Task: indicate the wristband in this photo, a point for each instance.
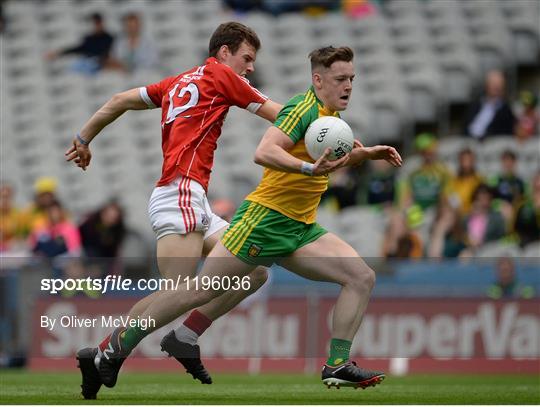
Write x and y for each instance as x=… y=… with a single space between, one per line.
x=81 y=140
x=307 y=168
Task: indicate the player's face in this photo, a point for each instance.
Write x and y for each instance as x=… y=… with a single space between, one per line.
x=242 y=61
x=334 y=85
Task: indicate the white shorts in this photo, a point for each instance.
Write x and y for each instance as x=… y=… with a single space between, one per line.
x=182 y=207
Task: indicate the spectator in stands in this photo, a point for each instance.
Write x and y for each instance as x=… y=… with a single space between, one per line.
x=527 y=220
x=507 y=285
x=466 y=181
x=491 y=114
x=342 y=188
x=133 y=50
x=483 y=224
x=57 y=236
x=358 y=8
x=381 y=184
x=94 y=48
x=314 y=8
x=103 y=232
x=507 y=186
x=11 y=232
x=528 y=121
x=44 y=196
x=243 y=6
x=447 y=237
x=400 y=240
x=428 y=184
x=277 y=7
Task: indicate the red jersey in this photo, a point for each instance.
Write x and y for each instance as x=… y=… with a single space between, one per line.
x=194 y=105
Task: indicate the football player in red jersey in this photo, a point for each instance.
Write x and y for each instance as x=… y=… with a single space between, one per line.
x=194 y=105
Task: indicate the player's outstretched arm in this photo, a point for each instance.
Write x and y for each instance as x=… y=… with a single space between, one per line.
x=79 y=152
x=269 y=110
x=272 y=152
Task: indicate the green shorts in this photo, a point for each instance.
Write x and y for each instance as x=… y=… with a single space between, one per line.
x=259 y=235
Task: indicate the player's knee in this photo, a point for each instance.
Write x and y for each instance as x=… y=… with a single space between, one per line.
x=369 y=277
x=362 y=278
x=257 y=278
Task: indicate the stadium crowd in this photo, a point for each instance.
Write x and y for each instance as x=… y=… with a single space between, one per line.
x=468 y=209
x=134 y=50
x=45 y=228
x=130 y=51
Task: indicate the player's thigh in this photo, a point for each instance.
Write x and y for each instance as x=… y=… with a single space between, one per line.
x=181 y=219
x=221 y=262
x=328 y=258
x=258 y=276
x=212 y=239
x=179 y=254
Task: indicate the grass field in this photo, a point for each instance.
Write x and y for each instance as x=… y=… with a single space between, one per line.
x=20 y=387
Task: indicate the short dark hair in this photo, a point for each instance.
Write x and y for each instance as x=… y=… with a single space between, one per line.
x=508 y=154
x=326 y=56
x=232 y=34
x=481 y=189
x=466 y=151
x=96 y=18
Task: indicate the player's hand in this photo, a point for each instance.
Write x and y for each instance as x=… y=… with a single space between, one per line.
x=386 y=153
x=357 y=144
x=324 y=166
x=80 y=154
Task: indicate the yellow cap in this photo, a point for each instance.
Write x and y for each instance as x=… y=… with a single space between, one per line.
x=45 y=184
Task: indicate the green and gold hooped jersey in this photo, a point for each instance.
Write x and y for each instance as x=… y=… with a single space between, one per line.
x=295 y=195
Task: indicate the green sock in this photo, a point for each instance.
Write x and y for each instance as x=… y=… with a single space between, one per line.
x=132 y=336
x=339 y=351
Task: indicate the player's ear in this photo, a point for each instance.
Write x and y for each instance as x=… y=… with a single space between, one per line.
x=316 y=79
x=223 y=53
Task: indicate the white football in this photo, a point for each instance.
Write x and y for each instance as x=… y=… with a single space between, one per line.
x=328 y=131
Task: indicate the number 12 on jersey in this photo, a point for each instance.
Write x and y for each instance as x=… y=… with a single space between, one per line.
x=173 y=111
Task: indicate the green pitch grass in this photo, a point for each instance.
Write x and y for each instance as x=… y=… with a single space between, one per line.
x=20 y=387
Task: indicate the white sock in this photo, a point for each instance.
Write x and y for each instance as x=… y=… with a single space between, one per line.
x=184 y=334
